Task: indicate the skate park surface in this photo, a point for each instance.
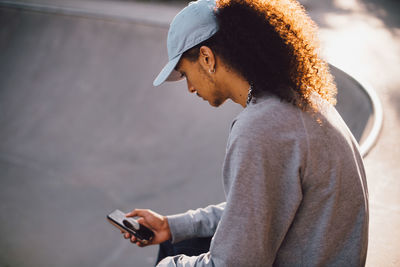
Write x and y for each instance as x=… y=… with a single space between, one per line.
x=83 y=131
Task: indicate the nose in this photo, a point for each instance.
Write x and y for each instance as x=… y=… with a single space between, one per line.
x=190 y=87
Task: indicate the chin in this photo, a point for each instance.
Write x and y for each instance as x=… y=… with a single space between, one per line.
x=216 y=103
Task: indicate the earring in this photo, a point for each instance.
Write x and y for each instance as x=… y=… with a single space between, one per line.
x=212 y=71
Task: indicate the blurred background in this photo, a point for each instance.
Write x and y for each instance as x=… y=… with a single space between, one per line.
x=83 y=132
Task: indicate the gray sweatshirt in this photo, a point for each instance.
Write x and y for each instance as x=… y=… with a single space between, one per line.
x=295 y=190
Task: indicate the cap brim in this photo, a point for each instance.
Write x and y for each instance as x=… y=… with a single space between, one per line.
x=168 y=73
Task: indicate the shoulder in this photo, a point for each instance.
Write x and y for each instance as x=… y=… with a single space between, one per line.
x=268 y=117
x=268 y=129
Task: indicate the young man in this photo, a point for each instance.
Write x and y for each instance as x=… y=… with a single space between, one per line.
x=294 y=180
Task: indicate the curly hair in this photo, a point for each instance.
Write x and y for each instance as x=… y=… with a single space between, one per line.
x=273 y=45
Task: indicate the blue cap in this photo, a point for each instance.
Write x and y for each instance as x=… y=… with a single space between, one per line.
x=193 y=25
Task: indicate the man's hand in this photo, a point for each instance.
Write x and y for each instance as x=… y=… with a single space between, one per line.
x=155 y=222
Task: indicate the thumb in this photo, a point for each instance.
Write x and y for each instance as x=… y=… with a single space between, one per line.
x=137 y=212
x=143 y=222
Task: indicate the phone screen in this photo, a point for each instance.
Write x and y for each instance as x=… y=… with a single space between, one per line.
x=130 y=225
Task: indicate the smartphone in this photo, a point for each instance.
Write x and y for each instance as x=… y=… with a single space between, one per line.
x=130 y=225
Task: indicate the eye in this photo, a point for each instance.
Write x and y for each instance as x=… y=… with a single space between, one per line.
x=182 y=74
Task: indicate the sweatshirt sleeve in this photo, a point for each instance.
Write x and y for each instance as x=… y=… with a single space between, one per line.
x=195 y=223
x=262 y=180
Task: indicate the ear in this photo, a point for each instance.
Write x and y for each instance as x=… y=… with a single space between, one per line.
x=207 y=58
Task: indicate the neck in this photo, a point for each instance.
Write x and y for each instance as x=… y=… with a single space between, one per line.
x=237 y=86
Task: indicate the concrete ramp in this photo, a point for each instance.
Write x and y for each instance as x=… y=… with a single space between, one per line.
x=83 y=132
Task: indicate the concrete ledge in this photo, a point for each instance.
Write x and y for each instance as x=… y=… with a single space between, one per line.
x=360 y=107
x=377 y=119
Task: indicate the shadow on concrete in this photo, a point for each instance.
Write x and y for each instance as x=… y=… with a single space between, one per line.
x=386 y=10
